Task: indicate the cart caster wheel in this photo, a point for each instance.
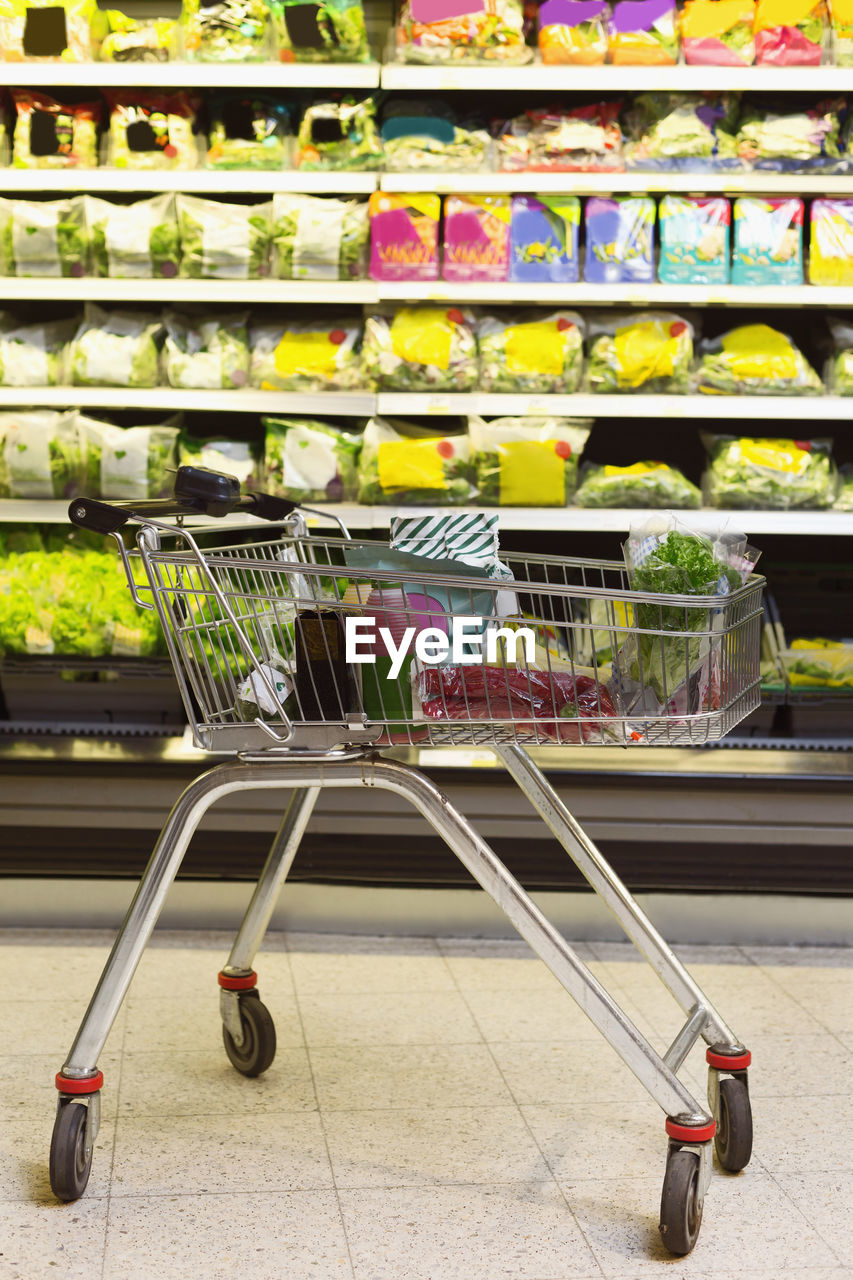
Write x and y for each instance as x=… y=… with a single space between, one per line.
x=733 y=1139
x=681 y=1201
x=70 y=1159
x=255 y=1054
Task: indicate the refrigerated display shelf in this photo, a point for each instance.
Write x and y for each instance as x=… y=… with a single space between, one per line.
x=232 y=292
x=763 y=182
x=536 y=76
x=194 y=75
x=213 y=182
x=328 y=404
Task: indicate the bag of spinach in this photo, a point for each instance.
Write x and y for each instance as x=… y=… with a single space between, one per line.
x=309 y=461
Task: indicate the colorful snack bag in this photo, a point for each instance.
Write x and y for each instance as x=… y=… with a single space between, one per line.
x=543 y=238
x=643 y=33
x=768 y=241
x=476 y=237
x=577 y=140
x=532 y=353
x=404 y=236
x=450 y=30
x=53 y=135
x=842 y=32
x=718 y=33
x=790 y=33
x=573 y=32
x=694 y=240
x=151 y=130
x=831 y=258
x=620 y=234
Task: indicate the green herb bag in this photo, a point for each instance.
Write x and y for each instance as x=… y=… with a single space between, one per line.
x=339 y=135
x=128 y=462
x=422 y=349
x=35 y=355
x=405 y=464
x=237 y=458
x=329 y=31
x=643 y=484
x=531 y=353
x=780 y=475
x=307 y=355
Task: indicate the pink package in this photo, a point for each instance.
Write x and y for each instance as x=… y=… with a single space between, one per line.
x=404 y=236
x=476 y=237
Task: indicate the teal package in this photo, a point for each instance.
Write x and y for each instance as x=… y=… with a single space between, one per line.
x=694 y=240
x=768 y=241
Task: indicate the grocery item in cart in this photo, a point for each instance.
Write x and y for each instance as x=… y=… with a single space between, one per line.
x=526 y=462
x=543 y=238
x=840 y=380
x=570 y=140
x=309 y=461
x=118 y=37
x=641 y=484
x=210 y=353
x=222 y=241
x=128 y=462
x=138 y=240
x=476 y=238
x=790 y=33
x=35 y=355
x=44 y=237
x=796 y=141
x=49 y=134
x=46 y=30
x=694 y=239
x=318 y=238
x=405 y=464
x=765 y=474
x=643 y=33
x=531 y=353
x=339 y=135
x=226 y=30
x=842 y=32
x=248 y=132
x=718 y=33
x=325 y=31
x=650 y=351
x=236 y=458
x=41 y=455
x=755 y=360
x=115 y=349
x=573 y=32
x=404 y=236
x=831 y=256
x=151 y=130
x=423 y=135
x=768 y=241
x=694 y=132
x=421 y=349
x=462 y=30
x=620 y=240
x=307 y=355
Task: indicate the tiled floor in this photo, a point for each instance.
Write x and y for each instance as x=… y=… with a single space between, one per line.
x=437 y=1109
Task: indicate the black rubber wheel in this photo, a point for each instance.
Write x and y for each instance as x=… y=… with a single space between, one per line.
x=733 y=1139
x=257 y=1051
x=70 y=1165
x=681 y=1202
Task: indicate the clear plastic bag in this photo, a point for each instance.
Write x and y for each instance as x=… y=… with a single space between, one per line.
x=643 y=33
x=307 y=356
x=526 y=462
x=532 y=353
x=840 y=380
x=462 y=30
x=35 y=355
x=248 y=132
x=641 y=484
x=49 y=134
x=405 y=464
x=41 y=455
x=718 y=33
x=128 y=462
x=310 y=461
x=45 y=237
x=318 y=239
x=774 y=475
x=787 y=39
x=330 y=31
x=573 y=32
x=755 y=360
x=339 y=135
x=222 y=241
x=134 y=241
x=151 y=130
x=569 y=140
x=227 y=30
x=206 y=353
x=689 y=132
x=421 y=349
x=648 y=352
x=46 y=30
x=115 y=349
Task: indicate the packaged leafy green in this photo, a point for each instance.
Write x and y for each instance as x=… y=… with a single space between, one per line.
x=718 y=34
x=226 y=30
x=233 y=457
x=650 y=351
x=40 y=455
x=44 y=237
x=429 y=135
x=115 y=349
x=817 y=663
x=841 y=368
x=138 y=240
x=484 y=30
x=310 y=461
x=328 y=31
x=844 y=495
x=128 y=462
x=248 y=132
x=206 y=353
x=339 y=135
x=406 y=464
x=842 y=33
x=691 y=132
x=526 y=462
x=573 y=32
x=224 y=241
x=318 y=239
x=421 y=349
x=794 y=141
x=790 y=35
x=755 y=360
x=46 y=30
x=643 y=484
x=307 y=355
x=35 y=355
x=761 y=474
x=643 y=33
x=149 y=130
x=120 y=38
x=49 y=134
x=541 y=354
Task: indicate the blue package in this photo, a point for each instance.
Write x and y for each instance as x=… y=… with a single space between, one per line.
x=768 y=241
x=694 y=240
x=620 y=240
x=544 y=238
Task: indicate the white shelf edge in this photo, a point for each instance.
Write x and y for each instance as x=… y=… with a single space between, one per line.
x=214 y=75
x=243 y=292
x=750 y=181
x=585 y=405
x=615 y=80
x=327 y=404
x=224 y=182
x=584 y=294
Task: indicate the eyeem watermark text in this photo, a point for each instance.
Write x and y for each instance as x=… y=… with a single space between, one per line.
x=432 y=645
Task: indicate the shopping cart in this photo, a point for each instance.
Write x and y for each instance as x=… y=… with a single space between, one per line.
x=256 y=628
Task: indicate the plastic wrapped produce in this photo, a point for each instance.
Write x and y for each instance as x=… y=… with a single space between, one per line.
x=420 y=136
x=476 y=238
x=462 y=30
x=44 y=237
x=405 y=464
x=226 y=30
x=842 y=32
x=620 y=240
x=40 y=455
x=151 y=130
x=404 y=236
x=128 y=462
x=755 y=360
x=318 y=239
x=233 y=457
x=692 y=132
x=831 y=257
x=526 y=462
x=790 y=33
x=206 y=353
x=642 y=484
x=643 y=33
x=844 y=494
x=224 y=241
x=841 y=367
x=46 y=31
x=649 y=352
x=819 y=664
x=138 y=240
x=309 y=461
x=48 y=134
x=768 y=241
x=791 y=141
x=115 y=349
x=694 y=239
x=533 y=353
x=35 y=355
x=573 y=32
x=248 y=132
x=121 y=38
x=718 y=33
x=339 y=135
x=778 y=475
x=569 y=140
x=421 y=349
x=543 y=238
x=307 y=356
x=328 y=31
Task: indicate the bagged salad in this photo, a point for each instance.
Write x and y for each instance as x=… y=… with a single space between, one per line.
x=44 y=237
x=339 y=135
x=128 y=462
x=233 y=457
x=526 y=462
x=48 y=134
x=35 y=355
x=790 y=33
x=476 y=238
x=474 y=30
x=791 y=141
x=46 y=30
x=409 y=465
x=248 y=132
x=777 y=475
x=844 y=495
x=840 y=378
x=642 y=484
x=328 y=31
x=226 y=30
x=768 y=241
x=682 y=131
x=222 y=241
x=650 y=351
x=718 y=33
x=831 y=257
x=120 y=38
x=543 y=238
x=307 y=355
x=41 y=455
x=531 y=353
x=570 y=140
x=620 y=240
x=427 y=135
x=151 y=130
x=309 y=461
x=694 y=239
x=819 y=664
x=573 y=32
x=755 y=360
x=206 y=353
x=421 y=349
x=115 y=349
x=842 y=32
x=318 y=238
x=643 y=33
x=404 y=236
x=138 y=240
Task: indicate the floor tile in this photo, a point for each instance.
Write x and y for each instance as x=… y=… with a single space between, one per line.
x=357 y=944
x=191 y=1084
x=598 y=1140
x=337 y=972
x=801 y=957
x=379 y=1076
x=186 y=1023
x=192 y=974
x=61 y=1240
x=502 y=949
x=804 y=1134
x=420 y=1017
x=28 y=1089
x=50 y=1026
x=537 y=1015
x=74 y=970
x=25 y=1161
x=501 y=973
x=790 y=1066
x=824 y=1199
x=827 y=994
x=567 y=1074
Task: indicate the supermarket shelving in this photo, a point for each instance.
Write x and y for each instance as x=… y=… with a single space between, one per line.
x=194 y=75
x=747 y=181
x=336 y=404
x=166 y=292
x=214 y=182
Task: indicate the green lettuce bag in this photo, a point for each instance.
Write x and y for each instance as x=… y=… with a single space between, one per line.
x=310 y=461
x=45 y=237
x=222 y=241
x=138 y=240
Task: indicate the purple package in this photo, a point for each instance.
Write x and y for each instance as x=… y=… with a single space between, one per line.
x=404 y=236
x=544 y=238
x=476 y=237
x=620 y=240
